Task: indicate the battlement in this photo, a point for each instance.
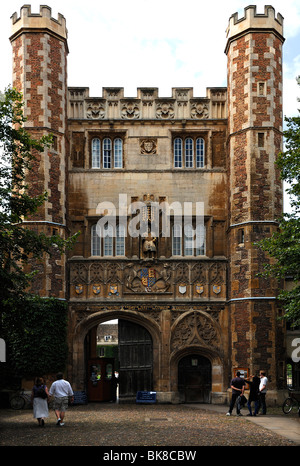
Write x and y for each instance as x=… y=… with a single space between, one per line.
x=43 y=20
x=253 y=20
x=148 y=104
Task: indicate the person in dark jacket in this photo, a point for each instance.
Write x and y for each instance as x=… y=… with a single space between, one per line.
x=253 y=395
x=238 y=386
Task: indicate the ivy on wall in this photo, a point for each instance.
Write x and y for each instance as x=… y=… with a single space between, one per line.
x=36 y=336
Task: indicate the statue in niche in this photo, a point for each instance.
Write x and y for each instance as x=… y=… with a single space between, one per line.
x=149 y=246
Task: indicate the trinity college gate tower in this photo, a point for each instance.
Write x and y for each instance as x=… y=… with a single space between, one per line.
x=169 y=194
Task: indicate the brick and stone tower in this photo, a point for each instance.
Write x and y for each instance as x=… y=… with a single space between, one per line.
x=254 y=51
x=39 y=44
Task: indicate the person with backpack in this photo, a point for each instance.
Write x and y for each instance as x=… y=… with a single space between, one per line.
x=39 y=399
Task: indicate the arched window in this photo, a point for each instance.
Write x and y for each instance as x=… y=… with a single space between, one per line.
x=189 y=152
x=96 y=153
x=120 y=240
x=106 y=153
x=200 y=240
x=95 y=242
x=176 y=240
x=188 y=240
x=118 y=153
x=178 y=153
x=108 y=240
x=199 y=153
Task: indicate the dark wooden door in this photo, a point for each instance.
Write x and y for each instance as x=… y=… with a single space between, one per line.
x=135 y=359
x=194 y=379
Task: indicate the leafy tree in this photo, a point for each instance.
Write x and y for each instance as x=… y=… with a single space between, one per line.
x=284 y=245
x=19 y=245
x=39 y=345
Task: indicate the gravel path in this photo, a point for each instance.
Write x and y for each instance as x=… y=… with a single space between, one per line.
x=134 y=425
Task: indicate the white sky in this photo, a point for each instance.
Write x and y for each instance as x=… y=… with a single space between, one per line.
x=159 y=43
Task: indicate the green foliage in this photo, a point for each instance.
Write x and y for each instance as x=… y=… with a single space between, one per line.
x=34 y=328
x=18 y=244
x=36 y=336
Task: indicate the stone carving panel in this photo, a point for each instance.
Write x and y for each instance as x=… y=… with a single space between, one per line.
x=148 y=278
x=193 y=280
x=165 y=110
x=195 y=329
x=199 y=110
x=148 y=146
x=130 y=111
x=95 y=110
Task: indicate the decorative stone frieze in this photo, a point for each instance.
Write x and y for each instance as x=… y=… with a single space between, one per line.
x=147 y=105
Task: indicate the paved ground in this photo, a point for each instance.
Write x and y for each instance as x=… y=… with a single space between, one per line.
x=106 y=424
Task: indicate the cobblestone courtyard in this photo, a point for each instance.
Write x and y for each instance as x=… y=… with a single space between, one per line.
x=135 y=425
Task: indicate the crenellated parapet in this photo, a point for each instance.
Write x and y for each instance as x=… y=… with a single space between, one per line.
x=148 y=104
x=254 y=21
x=39 y=21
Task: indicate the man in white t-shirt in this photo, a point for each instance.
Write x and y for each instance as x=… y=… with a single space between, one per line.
x=61 y=390
x=262 y=391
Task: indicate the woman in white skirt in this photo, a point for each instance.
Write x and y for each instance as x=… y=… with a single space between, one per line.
x=39 y=398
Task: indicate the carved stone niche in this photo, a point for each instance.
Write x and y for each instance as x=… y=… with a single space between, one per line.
x=148 y=146
x=77 y=149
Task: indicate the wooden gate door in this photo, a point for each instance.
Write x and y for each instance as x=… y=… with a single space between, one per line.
x=101 y=381
x=194 y=379
x=135 y=360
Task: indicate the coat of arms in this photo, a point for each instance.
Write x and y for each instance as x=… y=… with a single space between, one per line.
x=216 y=289
x=148 y=277
x=79 y=289
x=199 y=288
x=96 y=289
x=182 y=288
x=113 y=289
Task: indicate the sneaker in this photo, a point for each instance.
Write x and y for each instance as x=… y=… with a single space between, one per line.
x=228 y=414
x=58 y=422
x=62 y=424
x=239 y=414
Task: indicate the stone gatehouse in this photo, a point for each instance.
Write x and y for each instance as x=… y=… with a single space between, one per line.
x=169 y=194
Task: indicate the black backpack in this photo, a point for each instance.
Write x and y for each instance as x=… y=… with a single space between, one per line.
x=40 y=392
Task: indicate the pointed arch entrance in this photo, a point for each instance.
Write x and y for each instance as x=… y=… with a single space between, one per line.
x=139 y=362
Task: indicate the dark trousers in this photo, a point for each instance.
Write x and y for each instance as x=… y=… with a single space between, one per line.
x=262 y=403
x=256 y=406
x=233 y=400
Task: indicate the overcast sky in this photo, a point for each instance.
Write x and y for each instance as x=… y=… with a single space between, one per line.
x=159 y=43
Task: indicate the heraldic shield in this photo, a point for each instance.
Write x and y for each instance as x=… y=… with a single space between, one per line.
x=148 y=277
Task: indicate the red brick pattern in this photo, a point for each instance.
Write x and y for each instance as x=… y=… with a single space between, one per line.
x=39 y=61
x=255 y=106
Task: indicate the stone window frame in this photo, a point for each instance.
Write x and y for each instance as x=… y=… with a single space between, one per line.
x=180 y=248
x=110 y=245
x=108 y=153
x=187 y=156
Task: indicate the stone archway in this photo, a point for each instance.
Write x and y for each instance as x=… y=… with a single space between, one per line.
x=217 y=395
x=197 y=333
x=77 y=366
